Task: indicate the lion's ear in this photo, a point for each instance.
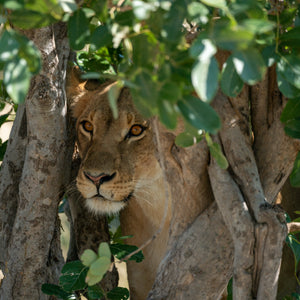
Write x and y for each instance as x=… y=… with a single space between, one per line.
x=75 y=88
x=75 y=85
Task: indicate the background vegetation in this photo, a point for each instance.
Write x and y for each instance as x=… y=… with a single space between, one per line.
x=167 y=53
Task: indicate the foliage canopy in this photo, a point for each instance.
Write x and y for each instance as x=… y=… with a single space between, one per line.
x=143 y=45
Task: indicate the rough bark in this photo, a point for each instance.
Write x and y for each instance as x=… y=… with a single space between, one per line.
x=34 y=175
x=254 y=227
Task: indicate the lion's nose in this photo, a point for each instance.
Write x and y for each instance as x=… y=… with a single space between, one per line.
x=99 y=179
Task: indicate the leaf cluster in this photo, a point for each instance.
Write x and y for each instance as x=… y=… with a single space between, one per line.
x=143 y=44
x=83 y=276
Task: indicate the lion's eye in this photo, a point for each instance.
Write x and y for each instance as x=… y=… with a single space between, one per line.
x=136 y=130
x=87 y=126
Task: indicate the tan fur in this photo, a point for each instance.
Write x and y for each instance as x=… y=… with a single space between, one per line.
x=138 y=184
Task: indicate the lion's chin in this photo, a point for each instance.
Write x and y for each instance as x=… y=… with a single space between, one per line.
x=101 y=206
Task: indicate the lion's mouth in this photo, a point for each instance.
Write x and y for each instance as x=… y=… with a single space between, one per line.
x=102 y=198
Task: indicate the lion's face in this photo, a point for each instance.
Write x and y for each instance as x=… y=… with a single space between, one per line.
x=117 y=155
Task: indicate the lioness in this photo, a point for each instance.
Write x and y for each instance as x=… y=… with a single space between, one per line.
x=122 y=171
x=120 y=168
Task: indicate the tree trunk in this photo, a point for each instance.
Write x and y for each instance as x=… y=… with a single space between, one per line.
x=244 y=194
x=33 y=175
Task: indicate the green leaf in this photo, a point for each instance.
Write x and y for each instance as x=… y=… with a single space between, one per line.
x=199 y=114
x=170 y=91
x=113 y=96
x=291 y=117
x=172 y=29
x=269 y=55
x=286 y=88
x=92 y=279
x=73 y=277
x=291 y=37
x=289 y=68
x=13 y=4
x=3 y=147
x=249 y=65
x=294 y=244
x=258 y=26
x=187 y=139
x=3 y=118
x=198 y=12
x=292 y=128
x=118 y=293
x=17 y=79
x=167 y=114
x=57 y=291
x=203 y=49
x=215 y=3
x=231 y=83
x=122 y=250
x=95 y=292
x=232 y=38
x=142 y=10
x=30 y=53
x=9 y=46
x=146 y=87
x=68 y=6
x=101 y=37
x=291 y=110
x=144 y=50
x=97 y=270
x=78 y=30
x=295 y=175
x=88 y=257
x=216 y=152
x=36 y=13
x=104 y=250
x=205 y=75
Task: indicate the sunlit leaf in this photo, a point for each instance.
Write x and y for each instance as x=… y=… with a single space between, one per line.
x=104 y=250
x=88 y=257
x=231 y=82
x=17 y=79
x=289 y=69
x=203 y=49
x=258 y=26
x=216 y=152
x=198 y=12
x=215 y=3
x=249 y=65
x=286 y=88
x=9 y=46
x=205 y=75
x=142 y=10
x=97 y=270
x=68 y=6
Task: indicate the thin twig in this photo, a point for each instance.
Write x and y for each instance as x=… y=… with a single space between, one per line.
x=293 y=227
